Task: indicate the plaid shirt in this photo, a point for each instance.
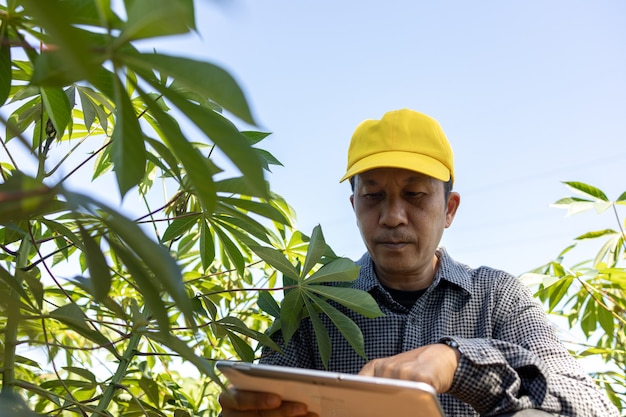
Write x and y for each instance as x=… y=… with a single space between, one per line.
x=511 y=358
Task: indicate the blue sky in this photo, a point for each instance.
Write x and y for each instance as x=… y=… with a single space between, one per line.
x=529 y=93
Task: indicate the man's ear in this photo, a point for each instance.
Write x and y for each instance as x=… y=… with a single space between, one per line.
x=352 y=200
x=454 y=200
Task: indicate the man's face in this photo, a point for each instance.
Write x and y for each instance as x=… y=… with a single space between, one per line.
x=401 y=215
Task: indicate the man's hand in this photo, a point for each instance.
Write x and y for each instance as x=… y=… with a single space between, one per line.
x=433 y=364
x=259 y=404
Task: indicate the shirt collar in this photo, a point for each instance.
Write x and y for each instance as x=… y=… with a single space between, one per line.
x=448 y=270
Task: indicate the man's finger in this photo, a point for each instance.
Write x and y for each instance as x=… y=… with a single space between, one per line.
x=249 y=400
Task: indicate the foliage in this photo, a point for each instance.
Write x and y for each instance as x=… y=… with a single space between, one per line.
x=105 y=314
x=591 y=295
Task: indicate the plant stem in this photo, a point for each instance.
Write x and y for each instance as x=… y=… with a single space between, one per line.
x=13 y=319
x=10 y=343
x=619 y=224
x=122 y=367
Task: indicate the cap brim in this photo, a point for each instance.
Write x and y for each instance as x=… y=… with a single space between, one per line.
x=403 y=160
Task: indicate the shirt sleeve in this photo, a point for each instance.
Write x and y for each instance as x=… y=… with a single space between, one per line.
x=523 y=365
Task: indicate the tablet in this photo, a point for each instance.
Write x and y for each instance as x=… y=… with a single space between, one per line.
x=332 y=394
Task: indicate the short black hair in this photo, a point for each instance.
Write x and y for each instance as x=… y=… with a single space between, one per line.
x=447 y=187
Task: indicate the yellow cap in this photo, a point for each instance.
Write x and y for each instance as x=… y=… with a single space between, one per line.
x=401 y=139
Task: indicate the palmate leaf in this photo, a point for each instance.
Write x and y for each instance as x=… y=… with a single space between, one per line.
x=346 y=327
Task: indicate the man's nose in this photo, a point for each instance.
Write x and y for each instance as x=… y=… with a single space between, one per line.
x=393 y=213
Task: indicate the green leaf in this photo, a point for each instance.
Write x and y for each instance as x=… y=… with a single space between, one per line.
x=58 y=107
x=23 y=197
x=291 y=313
x=154 y=18
x=558 y=291
x=128 y=150
x=621 y=199
x=261 y=208
x=356 y=300
x=208 y=80
x=72 y=316
x=235 y=185
x=240 y=221
x=151 y=388
x=268 y=304
x=255 y=137
x=322 y=338
x=5 y=66
x=587 y=190
x=73 y=57
x=339 y=270
x=236 y=325
x=13 y=404
x=596 y=234
x=14 y=283
x=88 y=375
x=98 y=267
x=180 y=226
x=244 y=350
x=589 y=319
x=23 y=117
x=275 y=259
x=606 y=320
x=346 y=327
x=89 y=108
x=232 y=250
x=317 y=247
x=207 y=245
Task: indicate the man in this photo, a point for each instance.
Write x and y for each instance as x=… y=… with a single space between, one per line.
x=476 y=335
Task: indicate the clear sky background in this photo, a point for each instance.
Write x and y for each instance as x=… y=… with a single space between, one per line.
x=530 y=93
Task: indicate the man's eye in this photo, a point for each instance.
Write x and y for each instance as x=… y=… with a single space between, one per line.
x=414 y=194
x=373 y=195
